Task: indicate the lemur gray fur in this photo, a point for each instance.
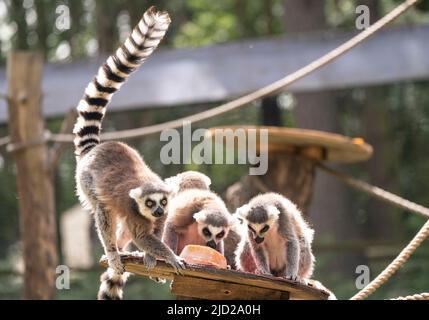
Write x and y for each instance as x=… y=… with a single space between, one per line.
x=277 y=240
x=197 y=215
x=112 y=179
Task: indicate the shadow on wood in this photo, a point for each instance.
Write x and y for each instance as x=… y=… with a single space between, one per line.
x=219 y=284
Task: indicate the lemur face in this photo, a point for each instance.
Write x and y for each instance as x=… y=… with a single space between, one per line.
x=152 y=206
x=212 y=233
x=259 y=220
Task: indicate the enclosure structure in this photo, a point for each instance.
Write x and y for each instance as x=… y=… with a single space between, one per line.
x=293 y=156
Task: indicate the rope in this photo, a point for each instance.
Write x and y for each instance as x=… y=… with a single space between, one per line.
x=4 y=141
x=395 y=264
x=378 y=193
x=419 y=296
x=270 y=89
x=398 y=202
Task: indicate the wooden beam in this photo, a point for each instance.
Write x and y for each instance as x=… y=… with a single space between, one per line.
x=35 y=190
x=222 y=72
x=134 y=264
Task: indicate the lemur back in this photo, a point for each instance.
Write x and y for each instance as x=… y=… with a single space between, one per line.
x=197 y=215
x=125 y=195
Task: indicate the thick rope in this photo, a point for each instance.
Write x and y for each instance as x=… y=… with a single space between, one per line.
x=418 y=296
x=4 y=141
x=378 y=193
x=397 y=201
x=270 y=89
x=395 y=264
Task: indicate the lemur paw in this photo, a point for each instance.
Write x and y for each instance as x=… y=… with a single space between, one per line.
x=295 y=278
x=177 y=263
x=149 y=261
x=263 y=273
x=158 y=280
x=115 y=263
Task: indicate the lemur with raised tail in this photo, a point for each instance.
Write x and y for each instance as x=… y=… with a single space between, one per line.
x=277 y=240
x=112 y=179
x=197 y=215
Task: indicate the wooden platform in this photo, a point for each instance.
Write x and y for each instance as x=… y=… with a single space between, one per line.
x=333 y=147
x=216 y=284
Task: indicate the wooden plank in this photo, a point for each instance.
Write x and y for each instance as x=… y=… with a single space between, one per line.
x=191 y=287
x=35 y=189
x=134 y=265
x=221 y=72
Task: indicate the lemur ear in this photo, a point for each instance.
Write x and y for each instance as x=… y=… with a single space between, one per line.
x=207 y=181
x=136 y=193
x=173 y=184
x=273 y=212
x=199 y=216
x=241 y=212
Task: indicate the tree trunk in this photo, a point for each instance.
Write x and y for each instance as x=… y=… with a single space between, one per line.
x=35 y=190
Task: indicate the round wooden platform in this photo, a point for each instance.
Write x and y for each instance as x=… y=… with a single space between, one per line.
x=314 y=144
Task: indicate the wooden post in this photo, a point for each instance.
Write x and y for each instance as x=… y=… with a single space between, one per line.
x=35 y=190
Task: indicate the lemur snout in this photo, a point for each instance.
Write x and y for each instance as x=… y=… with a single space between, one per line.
x=158 y=212
x=211 y=244
x=259 y=240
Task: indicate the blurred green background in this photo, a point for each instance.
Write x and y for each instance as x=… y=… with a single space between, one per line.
x=393 y=118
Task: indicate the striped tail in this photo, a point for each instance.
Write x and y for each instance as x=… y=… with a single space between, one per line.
x=112 y=285
x=144 y=39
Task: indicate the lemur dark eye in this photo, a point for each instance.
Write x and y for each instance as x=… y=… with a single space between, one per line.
x=251 y=229
x=265 y=229
x=149 y=203
x=164 y=201
x=207 y=232
x=220 y=235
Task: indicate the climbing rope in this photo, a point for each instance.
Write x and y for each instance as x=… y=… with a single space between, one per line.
x=394 y=265
x=397 y=201
x=377 y=192
x=270 y=89
x=419 y=296
x=4 y=141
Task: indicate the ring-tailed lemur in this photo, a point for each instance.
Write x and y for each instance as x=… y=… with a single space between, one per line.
x=197 y=215
x=112 y=179
x=278 y=240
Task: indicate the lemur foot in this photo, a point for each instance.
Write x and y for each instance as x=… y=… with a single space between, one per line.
x=158 y=280
x=177 y=263
x=263 y=273
x=295 y=278
x=115 y=263
x=149 y=261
